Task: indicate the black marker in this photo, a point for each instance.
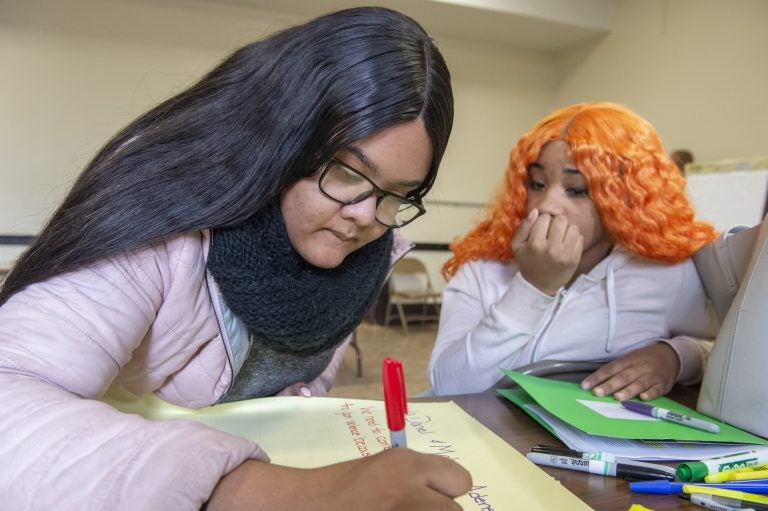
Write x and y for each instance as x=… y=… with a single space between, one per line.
x=669 y=472
x=626 y=469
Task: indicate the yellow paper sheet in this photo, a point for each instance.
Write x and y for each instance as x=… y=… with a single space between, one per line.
x=312 y=432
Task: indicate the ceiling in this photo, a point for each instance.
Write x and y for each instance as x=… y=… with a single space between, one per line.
x=541 y=25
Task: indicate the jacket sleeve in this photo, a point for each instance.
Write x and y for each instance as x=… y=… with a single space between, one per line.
x=693 y=354
x=62 y=343
x=692 y=324
x=474 y=339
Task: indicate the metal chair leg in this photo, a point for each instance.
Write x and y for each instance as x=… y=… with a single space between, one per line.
x=388 y=314
x=358 y=354
x=403 y=320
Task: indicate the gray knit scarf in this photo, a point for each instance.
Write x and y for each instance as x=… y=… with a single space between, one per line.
x=296 y=313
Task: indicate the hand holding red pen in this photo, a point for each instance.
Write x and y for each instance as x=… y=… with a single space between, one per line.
x=391 y=480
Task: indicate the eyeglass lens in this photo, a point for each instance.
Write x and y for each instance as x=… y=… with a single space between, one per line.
x=348 y=186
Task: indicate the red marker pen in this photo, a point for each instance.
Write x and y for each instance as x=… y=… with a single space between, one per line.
x=394 y=400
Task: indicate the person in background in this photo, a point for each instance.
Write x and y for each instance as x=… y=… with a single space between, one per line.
x=681 y=157
x=583 y=256
x=221 y=247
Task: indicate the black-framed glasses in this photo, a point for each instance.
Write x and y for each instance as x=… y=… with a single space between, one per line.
x=342 y=183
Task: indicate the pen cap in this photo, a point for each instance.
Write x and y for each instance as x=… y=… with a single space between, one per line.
x=394 y=393
x=692 y=471
x=662 y=486
x=638 y=407
x=642 y=473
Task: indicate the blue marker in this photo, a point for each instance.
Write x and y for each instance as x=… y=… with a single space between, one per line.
x=664 y=486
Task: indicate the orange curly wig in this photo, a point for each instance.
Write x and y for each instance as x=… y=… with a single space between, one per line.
x=638 y=191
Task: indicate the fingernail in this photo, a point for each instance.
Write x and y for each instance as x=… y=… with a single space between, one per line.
x=585 y=385
x=532 y=214
x=599 y=392
x=305 y=392
x=619 y=396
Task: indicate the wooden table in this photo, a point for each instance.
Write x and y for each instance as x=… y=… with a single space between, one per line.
x=600 y=492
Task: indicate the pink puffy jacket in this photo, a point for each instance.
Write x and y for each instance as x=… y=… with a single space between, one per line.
x=146 y=321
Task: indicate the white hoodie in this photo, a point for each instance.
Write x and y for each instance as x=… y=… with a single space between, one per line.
x=493 y=318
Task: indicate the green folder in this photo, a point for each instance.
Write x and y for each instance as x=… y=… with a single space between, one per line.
x=563 y=400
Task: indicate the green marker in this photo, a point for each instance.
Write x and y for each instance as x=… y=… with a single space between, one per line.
x=698 y=470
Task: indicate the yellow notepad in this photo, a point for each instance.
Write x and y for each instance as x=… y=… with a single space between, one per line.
x=312 y=432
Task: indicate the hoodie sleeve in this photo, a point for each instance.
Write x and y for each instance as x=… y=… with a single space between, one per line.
x=481 y=331
x=62 y=343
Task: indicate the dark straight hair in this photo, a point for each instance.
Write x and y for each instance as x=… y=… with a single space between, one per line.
x=270 y=114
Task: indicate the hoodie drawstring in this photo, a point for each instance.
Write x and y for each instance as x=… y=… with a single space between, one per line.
x=610 y=291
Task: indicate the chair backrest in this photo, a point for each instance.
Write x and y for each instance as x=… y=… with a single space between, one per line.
x=409 y=275
x=737 y=360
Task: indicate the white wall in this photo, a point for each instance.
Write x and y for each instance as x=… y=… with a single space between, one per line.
x=74 y=72
x=82 y=69
x=498 y=94
x=695 y=68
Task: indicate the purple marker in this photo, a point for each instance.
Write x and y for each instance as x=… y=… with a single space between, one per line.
x=671 y=416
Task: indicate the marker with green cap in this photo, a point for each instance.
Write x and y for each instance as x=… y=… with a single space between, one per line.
x=698 y=470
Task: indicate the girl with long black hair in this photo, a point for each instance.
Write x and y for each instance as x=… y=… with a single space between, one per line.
x=221 y=247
